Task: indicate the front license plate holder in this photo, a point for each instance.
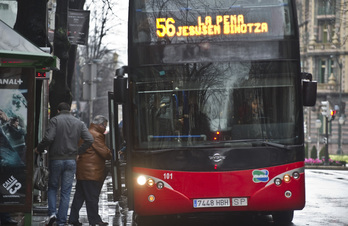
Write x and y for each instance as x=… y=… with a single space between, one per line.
x=211 y=203
x=242 y=201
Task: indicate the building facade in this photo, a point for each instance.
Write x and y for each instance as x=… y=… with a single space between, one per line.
x=323 y=28
x=8 y=12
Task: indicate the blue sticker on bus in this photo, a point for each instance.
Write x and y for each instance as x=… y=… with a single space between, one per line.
x=260 y=176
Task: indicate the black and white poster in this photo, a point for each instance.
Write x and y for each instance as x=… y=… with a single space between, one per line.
x=78 y=25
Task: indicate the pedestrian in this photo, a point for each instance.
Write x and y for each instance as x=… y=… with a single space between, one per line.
x=90 y=175
x=62 y=137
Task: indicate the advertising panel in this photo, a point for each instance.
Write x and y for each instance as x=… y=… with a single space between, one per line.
x=14 y=162
x=78 y=25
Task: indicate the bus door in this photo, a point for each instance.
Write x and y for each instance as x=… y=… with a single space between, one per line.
x=115 y=145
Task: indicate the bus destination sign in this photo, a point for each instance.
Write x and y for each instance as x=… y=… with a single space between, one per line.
x=224 y=24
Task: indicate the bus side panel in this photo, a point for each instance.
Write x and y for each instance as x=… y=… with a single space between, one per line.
x=256 y=186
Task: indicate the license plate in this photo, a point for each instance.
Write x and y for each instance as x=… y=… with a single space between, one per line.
x=240 y=201
x=207 y=203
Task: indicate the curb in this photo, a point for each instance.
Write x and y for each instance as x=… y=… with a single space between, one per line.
x=327 y=167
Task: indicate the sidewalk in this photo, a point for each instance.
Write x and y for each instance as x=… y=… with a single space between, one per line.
x=327 y=167
x=107 y=209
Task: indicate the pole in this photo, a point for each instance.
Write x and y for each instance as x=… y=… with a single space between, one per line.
x=339 y=150
x=93 y=87
x=318 y=144
x=326 y=141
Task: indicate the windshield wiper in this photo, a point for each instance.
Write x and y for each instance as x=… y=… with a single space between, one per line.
x=277 y=145
x=260 y=141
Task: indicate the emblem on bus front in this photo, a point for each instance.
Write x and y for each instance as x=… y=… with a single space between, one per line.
x=217 y=157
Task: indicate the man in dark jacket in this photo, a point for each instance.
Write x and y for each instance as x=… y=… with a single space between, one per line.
x=90 y=175
x=62 y=137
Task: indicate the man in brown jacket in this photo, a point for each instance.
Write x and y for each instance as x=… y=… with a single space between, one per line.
x=90 y=174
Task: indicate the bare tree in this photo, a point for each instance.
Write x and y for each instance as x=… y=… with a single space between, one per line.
x=60 y=86
x=31 y=23
x=102 y=23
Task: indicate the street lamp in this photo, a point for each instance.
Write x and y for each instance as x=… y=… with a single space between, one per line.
x=341 y=118
x=318 y=125
x=90 y=87
x=340 y=123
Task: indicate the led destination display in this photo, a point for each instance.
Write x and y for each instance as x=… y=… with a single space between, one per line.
x=224 y=24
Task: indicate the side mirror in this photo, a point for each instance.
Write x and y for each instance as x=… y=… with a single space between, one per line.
x=122 y=71
x=120 y=85
x=309 y=90
x=120 y=89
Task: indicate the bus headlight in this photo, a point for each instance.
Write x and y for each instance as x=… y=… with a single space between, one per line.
x=296 y=175
x=160 y=185
x=150 y=182
x=287 y=178
x=277 y=181
x=141 y=180
x=288 y=194
x=151 y=198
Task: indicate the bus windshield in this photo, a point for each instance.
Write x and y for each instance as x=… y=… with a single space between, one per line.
x=197 y=104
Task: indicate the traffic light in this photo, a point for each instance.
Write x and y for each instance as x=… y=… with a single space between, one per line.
x=325 y=105
x=332 y=114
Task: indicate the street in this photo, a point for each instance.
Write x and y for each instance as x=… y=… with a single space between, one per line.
x=326 y=204
x=326 y=199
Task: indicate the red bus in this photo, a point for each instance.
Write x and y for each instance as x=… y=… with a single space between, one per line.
x=212 y=103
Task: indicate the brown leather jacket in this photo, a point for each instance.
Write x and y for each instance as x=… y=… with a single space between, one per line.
x=91 y=164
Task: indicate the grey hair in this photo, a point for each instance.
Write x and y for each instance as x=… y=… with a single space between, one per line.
x=99 y=119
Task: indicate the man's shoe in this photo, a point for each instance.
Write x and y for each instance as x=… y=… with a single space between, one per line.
x=9 y=222
x=76 y=223
x=53 y=218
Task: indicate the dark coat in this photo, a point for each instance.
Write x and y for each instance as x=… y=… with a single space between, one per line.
x=91 y=164
x=63 y=135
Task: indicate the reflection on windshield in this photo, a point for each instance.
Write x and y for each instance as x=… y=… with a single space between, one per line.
x=194 y=104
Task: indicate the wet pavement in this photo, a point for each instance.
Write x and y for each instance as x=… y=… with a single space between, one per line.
x=326 y=200
x=109 y=210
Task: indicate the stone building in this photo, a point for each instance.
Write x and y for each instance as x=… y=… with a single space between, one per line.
x=323 y=28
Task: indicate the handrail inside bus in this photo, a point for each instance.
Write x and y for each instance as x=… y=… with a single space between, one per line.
x=240 y=87
x=149 y=137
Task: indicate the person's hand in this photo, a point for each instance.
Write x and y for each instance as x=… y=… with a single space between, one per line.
x=36 y=151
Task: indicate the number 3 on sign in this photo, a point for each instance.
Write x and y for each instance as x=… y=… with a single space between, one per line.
x=168 y=176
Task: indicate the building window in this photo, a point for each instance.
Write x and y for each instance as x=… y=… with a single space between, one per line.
x=326 y=7
x=4 y=6
x=325 y=30
x=326 y=68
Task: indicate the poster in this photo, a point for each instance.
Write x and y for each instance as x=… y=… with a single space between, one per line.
x=78 y=25
x=13 y=132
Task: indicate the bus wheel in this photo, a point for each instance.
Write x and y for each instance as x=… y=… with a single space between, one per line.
x=283 y=218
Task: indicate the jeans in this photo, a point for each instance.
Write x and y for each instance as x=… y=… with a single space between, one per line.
x=61 y=173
